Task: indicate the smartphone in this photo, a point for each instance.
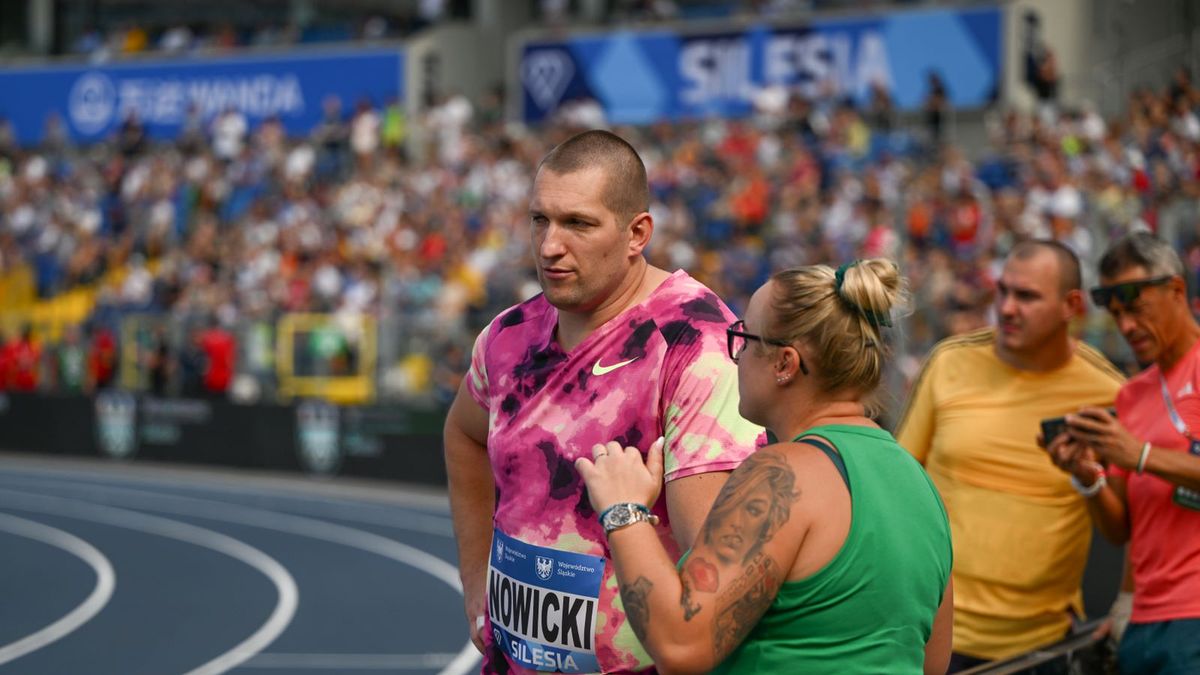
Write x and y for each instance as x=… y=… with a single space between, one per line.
x=1054 y=426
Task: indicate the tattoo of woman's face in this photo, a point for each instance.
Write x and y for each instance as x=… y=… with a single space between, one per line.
x=755 y=502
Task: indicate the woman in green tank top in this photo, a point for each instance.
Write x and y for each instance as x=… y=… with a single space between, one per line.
x=829 y=553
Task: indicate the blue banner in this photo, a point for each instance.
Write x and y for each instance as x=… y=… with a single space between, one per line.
x=93 y=101
x=642 y=77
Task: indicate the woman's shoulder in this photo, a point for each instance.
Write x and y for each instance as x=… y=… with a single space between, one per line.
x=812 y=459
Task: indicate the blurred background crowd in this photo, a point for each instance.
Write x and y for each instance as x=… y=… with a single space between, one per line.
x=420 y=224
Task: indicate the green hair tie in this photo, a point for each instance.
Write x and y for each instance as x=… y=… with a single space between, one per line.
x=839 y=277
x=876 y=319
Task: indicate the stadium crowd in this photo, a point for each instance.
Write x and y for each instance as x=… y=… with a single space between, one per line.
x=238 y=223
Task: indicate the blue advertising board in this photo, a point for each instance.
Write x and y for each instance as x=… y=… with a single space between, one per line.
x=93 y=101
x=640 y=77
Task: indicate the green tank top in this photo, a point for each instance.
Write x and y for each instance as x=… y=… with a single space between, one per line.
x=871 y=608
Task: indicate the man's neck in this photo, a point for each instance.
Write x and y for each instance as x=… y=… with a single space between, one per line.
x=1052 y=355
x=1179 y=347
x=574 y=327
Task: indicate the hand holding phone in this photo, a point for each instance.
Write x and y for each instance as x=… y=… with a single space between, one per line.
x=1052 y=428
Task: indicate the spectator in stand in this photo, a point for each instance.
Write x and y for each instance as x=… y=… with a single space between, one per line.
x=1021 y=534
x=364 y=134
x=159 y=363
x=937 y=103
x=229 y=134
x=6 y=361
x=102 y=358
x=1045 y=80
x=1140 y=470
x=70 y=362
x=24 y=362
x=220 y=355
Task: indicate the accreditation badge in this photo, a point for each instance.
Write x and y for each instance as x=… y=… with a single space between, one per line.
x=543 y=604
x=1189 y=499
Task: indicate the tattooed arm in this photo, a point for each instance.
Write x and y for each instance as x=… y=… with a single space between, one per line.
x=690 y=619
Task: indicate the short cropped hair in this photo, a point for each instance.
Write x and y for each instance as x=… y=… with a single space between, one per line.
x=1070 y=275
x=1140 y=249
x=627 y=192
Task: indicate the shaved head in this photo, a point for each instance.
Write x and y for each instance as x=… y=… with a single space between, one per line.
x=626 y=189
x=1070 y=277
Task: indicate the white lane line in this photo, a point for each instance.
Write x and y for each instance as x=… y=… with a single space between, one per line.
x=285 y=585
x=343 y=509
x=340 y=662
x=465 y=661
x=106 y=580
x=242 y=481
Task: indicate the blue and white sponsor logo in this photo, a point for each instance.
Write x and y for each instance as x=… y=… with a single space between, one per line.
x=92 y=103
x=499 y=550
x=545 y=567
x=546 y=74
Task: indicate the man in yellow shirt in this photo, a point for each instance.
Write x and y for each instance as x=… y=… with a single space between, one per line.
x=1021 y=532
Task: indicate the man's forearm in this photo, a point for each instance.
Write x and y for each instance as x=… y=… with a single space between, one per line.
x=472 y=503
x=1179 y=468
x=1108 y=513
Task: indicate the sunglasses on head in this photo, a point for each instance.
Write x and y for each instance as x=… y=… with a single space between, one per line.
x=1126 y=292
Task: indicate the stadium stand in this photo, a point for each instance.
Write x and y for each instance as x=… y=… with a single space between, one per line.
x=246 y=224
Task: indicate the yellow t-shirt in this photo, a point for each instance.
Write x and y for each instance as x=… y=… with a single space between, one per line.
x=1021 y=532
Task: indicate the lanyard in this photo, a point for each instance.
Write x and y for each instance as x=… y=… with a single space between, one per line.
x=1176 y=420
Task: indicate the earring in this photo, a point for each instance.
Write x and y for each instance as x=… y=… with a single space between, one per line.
x=782 y=380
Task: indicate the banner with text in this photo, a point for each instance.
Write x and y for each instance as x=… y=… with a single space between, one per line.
x=644 y=76
x=93 y=101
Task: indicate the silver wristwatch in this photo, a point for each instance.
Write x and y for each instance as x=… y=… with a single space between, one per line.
x=625 y=513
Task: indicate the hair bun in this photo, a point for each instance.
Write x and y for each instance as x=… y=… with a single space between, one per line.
x=872 y=288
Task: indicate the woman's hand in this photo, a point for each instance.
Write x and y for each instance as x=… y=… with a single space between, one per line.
x=616 y=474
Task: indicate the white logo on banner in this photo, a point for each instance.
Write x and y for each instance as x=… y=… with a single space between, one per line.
x=499 y=551
x=92 y=102
x=546 y=74
x=544 y=567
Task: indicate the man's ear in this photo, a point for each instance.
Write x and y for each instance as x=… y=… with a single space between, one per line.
x=1178 y=287
x=1076 y=305
x=640 y=230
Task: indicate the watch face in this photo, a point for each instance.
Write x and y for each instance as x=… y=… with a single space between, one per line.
x=619 y=515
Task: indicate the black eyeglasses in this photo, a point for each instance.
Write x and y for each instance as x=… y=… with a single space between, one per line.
x=1127 y=292
x=738 y=338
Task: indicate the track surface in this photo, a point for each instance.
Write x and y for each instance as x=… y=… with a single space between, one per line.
x=128 y=569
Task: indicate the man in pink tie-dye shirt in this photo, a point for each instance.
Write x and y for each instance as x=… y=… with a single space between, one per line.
x=613 y=349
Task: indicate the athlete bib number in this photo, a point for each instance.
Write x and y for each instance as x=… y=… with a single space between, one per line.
x=543 y=604
x=1189 y=499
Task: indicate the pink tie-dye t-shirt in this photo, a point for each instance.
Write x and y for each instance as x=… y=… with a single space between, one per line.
x=660 y=368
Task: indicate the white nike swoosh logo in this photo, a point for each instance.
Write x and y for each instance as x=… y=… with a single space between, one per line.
x=601 y=370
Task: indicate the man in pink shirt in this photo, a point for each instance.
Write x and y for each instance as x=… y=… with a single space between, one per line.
x=612 y=349
x=1149 y=494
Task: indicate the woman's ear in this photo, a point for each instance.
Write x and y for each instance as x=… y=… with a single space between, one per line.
x=788 y=365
